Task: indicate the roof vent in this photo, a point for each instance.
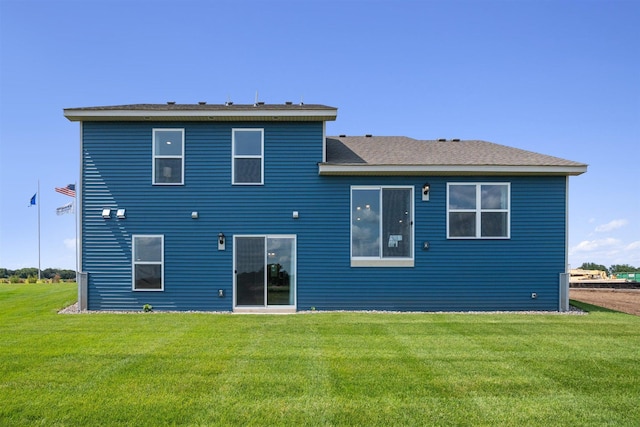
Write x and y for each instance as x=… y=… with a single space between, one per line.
x=171 y=102
x=442 y=139
x=288 y=103
x=342 y=136
x=258 y=103
x=228 y=103
x=368 y=135
x=456 y=140
x=202 y=103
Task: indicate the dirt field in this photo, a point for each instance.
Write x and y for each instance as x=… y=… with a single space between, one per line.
x=627 y=301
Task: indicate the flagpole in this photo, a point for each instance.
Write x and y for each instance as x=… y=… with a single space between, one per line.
x=38 y=203
x=75 y=211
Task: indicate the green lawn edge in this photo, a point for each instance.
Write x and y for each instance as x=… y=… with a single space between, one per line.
x=335 y=369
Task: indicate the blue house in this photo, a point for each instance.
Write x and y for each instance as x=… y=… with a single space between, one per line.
x=253 y=208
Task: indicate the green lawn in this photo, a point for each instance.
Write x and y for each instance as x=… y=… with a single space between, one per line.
x=312 y=369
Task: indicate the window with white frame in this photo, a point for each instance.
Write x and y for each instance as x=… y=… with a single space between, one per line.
x=168 y=156
x=382 y=226
x=478 y=210
x=248 y=159
x=148 y=263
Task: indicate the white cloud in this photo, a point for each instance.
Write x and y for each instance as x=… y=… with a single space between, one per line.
x=633 y=245
x=594 y=245
x=70 y=243
x=612 y=225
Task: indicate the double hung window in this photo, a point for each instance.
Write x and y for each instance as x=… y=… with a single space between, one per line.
x=248 y=159
x=382 y=226
x=168 y=156
x=478 y=210
x=148 y=263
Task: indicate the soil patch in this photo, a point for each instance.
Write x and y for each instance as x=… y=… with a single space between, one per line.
x=627 y=301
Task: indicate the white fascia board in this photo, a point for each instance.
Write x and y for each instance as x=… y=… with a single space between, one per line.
x=86 y=115
x=326 y=169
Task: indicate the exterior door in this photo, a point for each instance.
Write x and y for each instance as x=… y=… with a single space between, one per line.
x=265 y=271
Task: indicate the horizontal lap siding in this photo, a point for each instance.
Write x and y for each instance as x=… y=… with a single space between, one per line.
x=451 y=275
x=117 y=169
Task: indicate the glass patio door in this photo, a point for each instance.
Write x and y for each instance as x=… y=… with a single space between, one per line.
x=264 y=270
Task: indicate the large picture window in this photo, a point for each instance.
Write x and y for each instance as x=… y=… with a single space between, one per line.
x=478 y=210
x=248 y=160
x=148 y=263
x=381 y=226
x=168 y=156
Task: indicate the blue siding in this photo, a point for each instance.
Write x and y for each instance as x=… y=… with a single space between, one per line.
x=451 y=275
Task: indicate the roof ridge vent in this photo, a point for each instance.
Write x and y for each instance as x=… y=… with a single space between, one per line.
x=342 y=136
x=288 y=103
x=456 y=140
x=202 y=102
x=368 y=135
x=171 y=102
x=442 y=139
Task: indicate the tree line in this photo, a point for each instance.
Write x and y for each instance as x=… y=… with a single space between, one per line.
x=614 y=269
x=49 y=273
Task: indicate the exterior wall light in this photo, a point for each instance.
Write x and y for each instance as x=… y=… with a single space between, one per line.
x=121 y=214
x=425 y=192
x=106 y=213
x=195 y=215
x=221 y=241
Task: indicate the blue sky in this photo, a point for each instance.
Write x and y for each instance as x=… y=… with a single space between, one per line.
x=556 y=77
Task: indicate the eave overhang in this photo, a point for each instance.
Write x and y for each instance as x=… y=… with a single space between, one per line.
x=459 y=170
x=205 y=113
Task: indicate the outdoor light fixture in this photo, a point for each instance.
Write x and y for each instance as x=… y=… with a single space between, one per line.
x=295 y=215
x=425 y=192
x=121 y=214
x=106 y=213
x=195 y=215
x=221 y=241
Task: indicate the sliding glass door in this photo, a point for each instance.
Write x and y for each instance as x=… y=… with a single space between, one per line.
x=265 y=271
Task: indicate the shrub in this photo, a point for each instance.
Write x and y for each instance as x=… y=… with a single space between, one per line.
x=15 y=279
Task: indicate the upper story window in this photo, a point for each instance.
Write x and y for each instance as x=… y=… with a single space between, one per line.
x=248 y=156
x=478 y=210
x=148 y=262
x=168 y=156
x=382 y=226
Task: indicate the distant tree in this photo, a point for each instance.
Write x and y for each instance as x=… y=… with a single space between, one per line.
x=4 y=273
x=593 y=266
x=23 y=273
x=623 y=268
x=49 y=273
x=67 y=274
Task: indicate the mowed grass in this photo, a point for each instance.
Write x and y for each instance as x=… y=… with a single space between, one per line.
x=312 y=369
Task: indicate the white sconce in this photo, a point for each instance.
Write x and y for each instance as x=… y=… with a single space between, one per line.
x=194 y=215
x=425 y=192
x=221 y=243
x=106 y=213
x=120 y=214
x=296 y=215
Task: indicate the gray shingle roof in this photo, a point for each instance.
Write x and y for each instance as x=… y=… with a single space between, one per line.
x=361 y=152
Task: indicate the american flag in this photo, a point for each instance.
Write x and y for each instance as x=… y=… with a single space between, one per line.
x=69 y=190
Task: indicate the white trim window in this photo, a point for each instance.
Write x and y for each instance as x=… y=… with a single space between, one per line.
x=382 y=226
x=168 y=156
x=148 y=262
x=247 y=166
x=478 y=210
